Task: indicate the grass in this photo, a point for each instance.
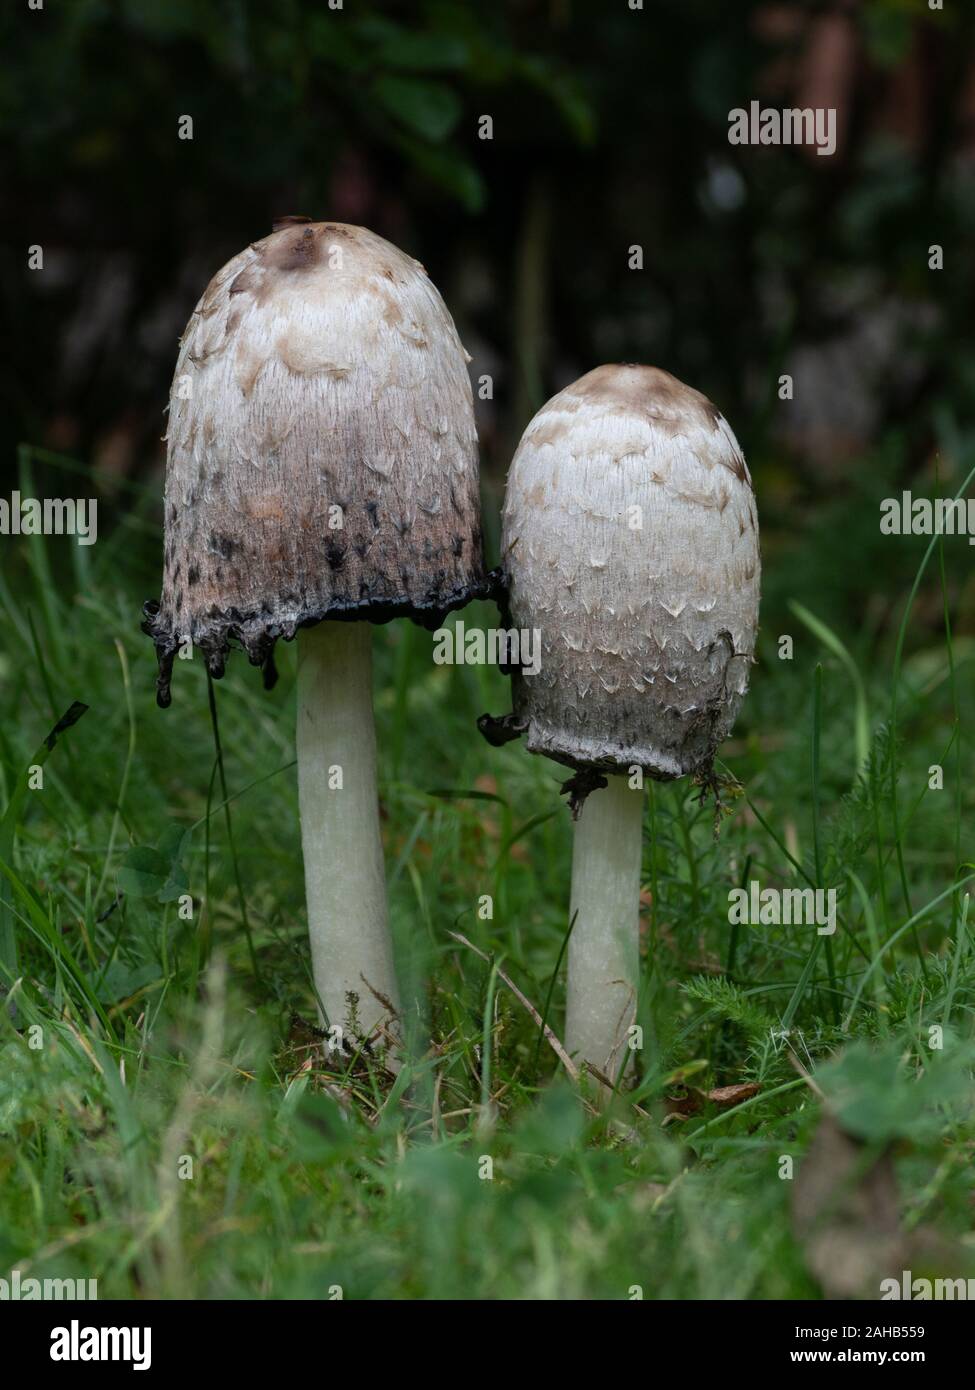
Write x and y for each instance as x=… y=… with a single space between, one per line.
x=169 y=1123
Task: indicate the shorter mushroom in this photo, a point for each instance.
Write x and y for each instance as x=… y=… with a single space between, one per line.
x=630 y=541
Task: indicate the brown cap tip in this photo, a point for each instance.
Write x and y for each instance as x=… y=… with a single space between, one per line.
x=292 y=219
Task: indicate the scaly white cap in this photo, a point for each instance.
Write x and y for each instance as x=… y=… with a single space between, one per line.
x=322 y=458
x=630 y=541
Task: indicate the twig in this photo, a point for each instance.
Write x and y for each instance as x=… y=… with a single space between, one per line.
x=526 y=1003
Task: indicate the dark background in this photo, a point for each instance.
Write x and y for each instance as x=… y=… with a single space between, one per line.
x=610 y=130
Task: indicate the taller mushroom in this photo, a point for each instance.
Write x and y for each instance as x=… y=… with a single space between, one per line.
x=630 y=542
x=321 y=477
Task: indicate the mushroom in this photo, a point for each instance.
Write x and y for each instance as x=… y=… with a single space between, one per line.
x=322 y=465
x=630 y=544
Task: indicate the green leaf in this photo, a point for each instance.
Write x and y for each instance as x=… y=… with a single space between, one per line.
x=462 y=794
x=453 y=173
x=157 y=873
x=172 y=845
x=429 y=109
x=144 y=872
x=563 y=90
x=423 y=52
x=171 y=841
x=123 y=980
x=875 y=1097
x=175 y=886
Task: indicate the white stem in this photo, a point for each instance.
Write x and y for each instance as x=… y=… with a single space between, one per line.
x=345 y=881
x=604 y=948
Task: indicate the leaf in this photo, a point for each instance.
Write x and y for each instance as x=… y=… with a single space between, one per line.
x=733 y=1095
x=157 y=873
x=680 y=1074
x=172 y=845
x=563 y=90
x=875 y=1099
x=525 y=829
x=428 y=109
x=688 y=1099
x=144 y=872
x=459 y=794
x=453 y=173
x=423 y=52
x=171 y=841
x=176 y=885
x=121 y=980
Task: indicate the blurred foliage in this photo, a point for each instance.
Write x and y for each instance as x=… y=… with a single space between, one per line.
x=609 y=130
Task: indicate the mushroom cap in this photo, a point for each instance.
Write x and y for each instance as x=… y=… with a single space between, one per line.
x=322 y=453
x=630 y=542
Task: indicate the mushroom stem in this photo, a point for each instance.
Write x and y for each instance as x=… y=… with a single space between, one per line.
x=604 y=949
x=345 y=880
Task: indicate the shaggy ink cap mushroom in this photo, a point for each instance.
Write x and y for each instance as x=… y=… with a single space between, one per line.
x=630 y=541
x=322 y=464
x=630 y=545
x=322 y=456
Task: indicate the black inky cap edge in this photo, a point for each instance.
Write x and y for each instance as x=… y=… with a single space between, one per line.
x=257 y=632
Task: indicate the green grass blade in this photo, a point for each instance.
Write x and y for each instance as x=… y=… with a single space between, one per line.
x=8 y=832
